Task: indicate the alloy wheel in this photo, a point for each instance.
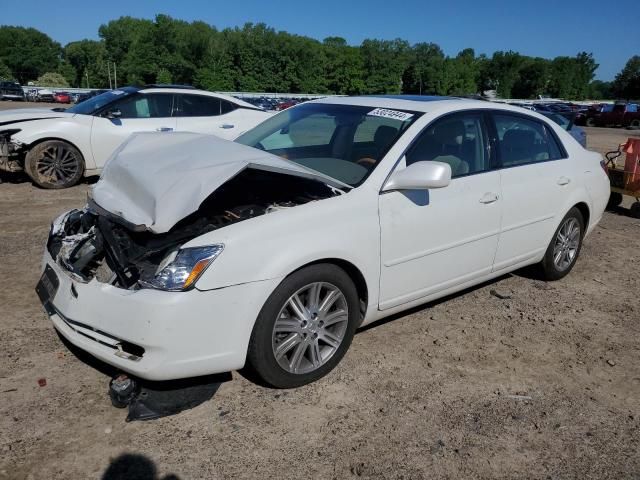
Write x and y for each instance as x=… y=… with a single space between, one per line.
x=567 y=243
x=57 y=165
x=310 y=327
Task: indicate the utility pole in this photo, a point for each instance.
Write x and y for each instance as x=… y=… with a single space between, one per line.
x=115 y=76
x=86 y=72
x=109 y=74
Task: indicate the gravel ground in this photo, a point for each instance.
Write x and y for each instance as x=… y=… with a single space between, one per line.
x=544 y=384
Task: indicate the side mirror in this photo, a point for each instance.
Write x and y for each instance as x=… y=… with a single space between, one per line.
x=420 y=176
x=115 y=113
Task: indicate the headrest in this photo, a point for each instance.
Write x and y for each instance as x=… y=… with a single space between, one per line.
x=384 y=135
x=449 y=133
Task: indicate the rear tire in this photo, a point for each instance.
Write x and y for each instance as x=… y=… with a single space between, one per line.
x=54 y=164
x=635 y=210
x=590 y=122
x=565 y=246
x=635 y=123
x=305 y=327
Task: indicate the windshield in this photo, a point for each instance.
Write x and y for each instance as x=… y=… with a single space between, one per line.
x=345 y=142
x=92 y=105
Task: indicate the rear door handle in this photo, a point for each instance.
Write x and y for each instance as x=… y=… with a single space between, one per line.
x=164 y=129
x=227 y=125
x=564 y=181
x=489 y=198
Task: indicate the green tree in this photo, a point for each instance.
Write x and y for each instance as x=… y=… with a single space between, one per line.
x=28 y=52
x=344 y=67
x=5 y=72
x=533 y=78
x=89 y=60
x=571 y=76
x=164 y=76
x=425 y=71
x=627 y=83
x=463 y=73
x=599 y=90
x=51 y=79
x=385 y=62
x=502 y=72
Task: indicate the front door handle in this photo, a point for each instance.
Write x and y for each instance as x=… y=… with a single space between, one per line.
x=164 y=129
x=489 y=197
x=227 y=125
x=564 y=181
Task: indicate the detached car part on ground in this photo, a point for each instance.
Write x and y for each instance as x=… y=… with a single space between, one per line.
x=197 y=255
x=57 y=147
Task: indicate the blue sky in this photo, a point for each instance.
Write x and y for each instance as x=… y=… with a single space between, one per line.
x=545 y=28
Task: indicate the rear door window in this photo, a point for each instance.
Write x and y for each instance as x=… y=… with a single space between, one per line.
x=202 y=106
x=522 y=141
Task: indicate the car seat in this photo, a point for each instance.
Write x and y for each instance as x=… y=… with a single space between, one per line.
x=443 y=144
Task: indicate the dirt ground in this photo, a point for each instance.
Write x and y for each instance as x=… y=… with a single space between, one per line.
x=544 y=384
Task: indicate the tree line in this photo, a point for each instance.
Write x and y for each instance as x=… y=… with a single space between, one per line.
x=258 y=58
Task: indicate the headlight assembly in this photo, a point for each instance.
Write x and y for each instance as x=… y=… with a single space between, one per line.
x=181 y=269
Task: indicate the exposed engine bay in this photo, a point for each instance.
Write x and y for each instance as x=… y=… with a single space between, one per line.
x=91 y=243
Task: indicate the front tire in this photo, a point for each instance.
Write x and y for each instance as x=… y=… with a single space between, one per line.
x=54 y=164
x=565 y=246
x=305 y=327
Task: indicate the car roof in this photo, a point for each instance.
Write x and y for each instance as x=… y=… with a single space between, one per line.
x=418 y=103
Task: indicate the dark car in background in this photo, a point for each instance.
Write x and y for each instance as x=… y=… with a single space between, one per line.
x=81 y=97
x=566 y=121
x=11 y=91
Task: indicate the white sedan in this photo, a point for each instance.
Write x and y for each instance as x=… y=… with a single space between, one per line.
x=56 y=147
x=197 y=255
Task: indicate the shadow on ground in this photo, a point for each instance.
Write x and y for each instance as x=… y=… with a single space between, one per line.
x=134 y=466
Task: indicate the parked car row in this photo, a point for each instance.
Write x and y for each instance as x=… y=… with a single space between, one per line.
x=620 y=114
x=563 y=114
x=271 y=103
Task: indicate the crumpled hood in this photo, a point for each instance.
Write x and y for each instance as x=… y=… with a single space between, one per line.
x=25 y=114
x=154 y=180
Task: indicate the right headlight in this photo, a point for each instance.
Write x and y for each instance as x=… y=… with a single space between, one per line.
x=181 y=269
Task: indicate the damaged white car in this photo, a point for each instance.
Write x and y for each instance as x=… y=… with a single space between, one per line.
x=197 y=255
x=57 y=147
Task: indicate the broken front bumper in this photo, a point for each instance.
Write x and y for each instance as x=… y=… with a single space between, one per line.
x=9 y=153
x=153 y=334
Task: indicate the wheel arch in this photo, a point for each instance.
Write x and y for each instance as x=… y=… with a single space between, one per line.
x=354 y=274
x=57 y=139
x=586 y=214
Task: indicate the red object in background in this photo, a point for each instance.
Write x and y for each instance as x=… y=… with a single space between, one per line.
x=42 y=382
x=61 y=97
x=285 y=105
x=632 y=164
